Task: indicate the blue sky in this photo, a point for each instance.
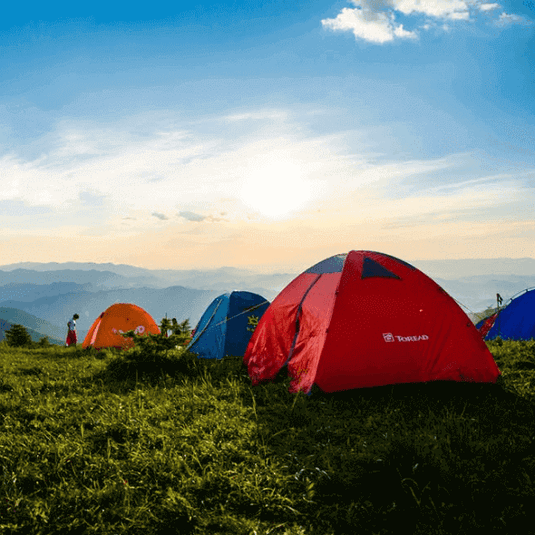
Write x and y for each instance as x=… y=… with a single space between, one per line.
x=266 y=134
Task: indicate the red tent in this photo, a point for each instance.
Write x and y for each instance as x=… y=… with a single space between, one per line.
x=366 y=319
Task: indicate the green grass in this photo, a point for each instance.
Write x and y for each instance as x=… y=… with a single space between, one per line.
x=110 y=443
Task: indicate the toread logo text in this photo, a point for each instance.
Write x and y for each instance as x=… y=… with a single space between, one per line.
x=389 y=337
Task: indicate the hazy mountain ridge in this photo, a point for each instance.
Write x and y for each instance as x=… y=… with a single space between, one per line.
x=18 y=291
x=476 y=267
x=97 y=278
x=55 y=291
x=34 y=335
x=124 y=276
x=36 y=327
x=445 y=268
x=479 y=293
x=119 y=269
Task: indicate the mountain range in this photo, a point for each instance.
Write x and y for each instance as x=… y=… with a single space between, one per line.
x=36 y=327
x=106 y=276
x=51 y=293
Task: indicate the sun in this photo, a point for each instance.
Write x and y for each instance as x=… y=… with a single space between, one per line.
x=276 y=189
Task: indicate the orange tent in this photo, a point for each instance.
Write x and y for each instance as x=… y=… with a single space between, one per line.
x=121 y=317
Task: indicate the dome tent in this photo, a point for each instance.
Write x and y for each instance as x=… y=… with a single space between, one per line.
x=120 y=317
x=366 y=319
x=227 y=325
x=516 y=321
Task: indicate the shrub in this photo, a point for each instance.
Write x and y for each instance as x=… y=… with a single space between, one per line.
x=44 y=342
x=18 y=336
x=154 y=346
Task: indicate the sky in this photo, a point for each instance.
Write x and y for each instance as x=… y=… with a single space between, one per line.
x=266 y=134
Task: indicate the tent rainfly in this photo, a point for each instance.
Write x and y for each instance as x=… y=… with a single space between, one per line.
x=227 y=325
x=365 y=319
x=116 y=319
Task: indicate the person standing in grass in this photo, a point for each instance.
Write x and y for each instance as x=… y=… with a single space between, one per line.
x=72 y=338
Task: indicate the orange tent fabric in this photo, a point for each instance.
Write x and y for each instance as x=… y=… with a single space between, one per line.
x=121 y=317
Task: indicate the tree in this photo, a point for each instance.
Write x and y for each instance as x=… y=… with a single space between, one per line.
x=18 y=336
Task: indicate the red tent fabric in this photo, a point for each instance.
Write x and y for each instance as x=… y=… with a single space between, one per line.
x=366 y=319
x=485 y=325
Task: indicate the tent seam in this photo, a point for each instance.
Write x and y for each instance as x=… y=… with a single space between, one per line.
x=299 y=308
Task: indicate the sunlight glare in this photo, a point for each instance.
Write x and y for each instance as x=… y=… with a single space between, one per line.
x=276 y=189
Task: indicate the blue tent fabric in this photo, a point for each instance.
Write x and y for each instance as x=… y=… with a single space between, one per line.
x=210 y=331
x=517 y=320
x=227 y=325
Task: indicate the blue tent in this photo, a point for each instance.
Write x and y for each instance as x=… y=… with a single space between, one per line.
x=227 y=325
x=517 y=320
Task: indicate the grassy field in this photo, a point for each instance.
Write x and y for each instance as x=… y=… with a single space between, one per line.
x=111 y=444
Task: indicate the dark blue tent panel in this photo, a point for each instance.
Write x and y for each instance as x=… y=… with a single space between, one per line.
x=517 y=320
x=371 y=268
x=227 y=325
x=334 y=264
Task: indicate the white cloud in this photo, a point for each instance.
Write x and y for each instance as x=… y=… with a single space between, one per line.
x=464 y=15
x=262 y=115
x=507 y=18
x=134 y=168
x=446 y=9
x=217 y=177
x=488 y=7
x=375 y=20
x=372 y=26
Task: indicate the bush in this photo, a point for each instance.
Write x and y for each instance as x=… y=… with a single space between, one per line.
x=44 y=342
x=18 y=336
x=153 y=355
x=150 y=347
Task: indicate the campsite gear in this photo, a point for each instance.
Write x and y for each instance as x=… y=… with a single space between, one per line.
x=366 y=319
x=515 y=321
x=227 y=325
x=118 y=318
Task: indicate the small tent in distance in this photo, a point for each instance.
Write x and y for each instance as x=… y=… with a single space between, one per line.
x=116 y=319
x=366 y=319
x=227 y=325
x=516 y=321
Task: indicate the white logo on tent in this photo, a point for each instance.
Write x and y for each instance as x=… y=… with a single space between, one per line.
x=389 y=337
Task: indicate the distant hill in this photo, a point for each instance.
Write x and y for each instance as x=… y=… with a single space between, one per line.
x=444 y=268
x=22 y=318
x=476 y=267
x=98 y=278
x=107 y=276
x=30 y=292
x=30 y=321
x=124 y=270
x=479 y=292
